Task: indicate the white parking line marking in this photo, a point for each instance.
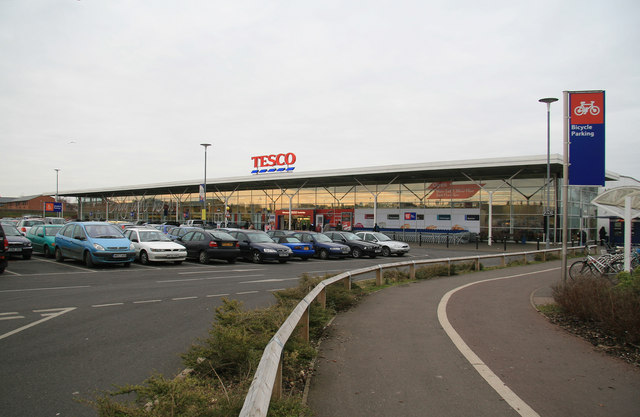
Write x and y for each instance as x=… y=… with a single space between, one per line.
x=47 y=288
x=107 y=305
x=246 y=292
x=210 y=278
x=183 y=298
x=268 y=280
x=60 y=311
x=147 y=301
x=12 y=273
x=217 y=295
x=492 y=379
x=8 y=313
x=219 y=271
x=11 y=317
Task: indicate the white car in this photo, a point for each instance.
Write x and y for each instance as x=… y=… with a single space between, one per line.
x=389 y=246
x=154 y=246
x=25 y=224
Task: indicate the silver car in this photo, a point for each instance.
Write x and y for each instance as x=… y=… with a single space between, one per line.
x=389 y=246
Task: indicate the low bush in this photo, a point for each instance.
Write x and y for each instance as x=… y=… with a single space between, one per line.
x=616 y=309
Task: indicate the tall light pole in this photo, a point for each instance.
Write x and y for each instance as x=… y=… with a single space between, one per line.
x=204 y=200
x=547 y=211
x=57 y=171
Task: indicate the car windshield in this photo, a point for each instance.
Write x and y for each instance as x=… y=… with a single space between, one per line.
x=103 y=231
x=51 y=231
x=259 y=238
x=381 y=237
x=322 y=238
x=222 y=236
x=351 y=236
x=31 y=223
x=11 y=231
x=153 y=236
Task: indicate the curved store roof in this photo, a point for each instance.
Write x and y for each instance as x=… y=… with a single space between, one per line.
x=476 y=169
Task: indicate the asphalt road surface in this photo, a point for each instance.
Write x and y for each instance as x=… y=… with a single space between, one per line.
x=68 y=332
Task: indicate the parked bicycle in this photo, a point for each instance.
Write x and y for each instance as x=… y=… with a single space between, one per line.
x=605 y=266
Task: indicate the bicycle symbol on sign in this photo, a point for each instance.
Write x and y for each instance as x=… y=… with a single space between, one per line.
x=584 y=108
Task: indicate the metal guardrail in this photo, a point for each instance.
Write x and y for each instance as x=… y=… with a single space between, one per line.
x=267 y=381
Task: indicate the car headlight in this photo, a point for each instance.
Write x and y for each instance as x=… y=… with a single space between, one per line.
x=131 y=247
x=267 y=250
x=98 y=246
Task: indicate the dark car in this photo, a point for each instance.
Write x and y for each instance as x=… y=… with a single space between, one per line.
x=18 y=244
x=324 y=247
x=175 y=233
x=257 y=246
x=300 y=250
x=358 y=246
x=4 y=250
x=205 y=245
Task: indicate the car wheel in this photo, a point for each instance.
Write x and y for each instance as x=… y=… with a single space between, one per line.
x=58 y=254
x=26 y=256
x=386 y=251
x=256 y=257
x=144 y=258
x=356 y=252
x=231 y=261
x=204 y=257
x=324 y=254
x=47 y=252
x=87 y=260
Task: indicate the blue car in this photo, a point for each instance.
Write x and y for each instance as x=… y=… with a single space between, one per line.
x=300 y=250
x=94 y=243
x=324 y=247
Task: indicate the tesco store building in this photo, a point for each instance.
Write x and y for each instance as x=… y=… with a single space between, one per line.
x=502 y=197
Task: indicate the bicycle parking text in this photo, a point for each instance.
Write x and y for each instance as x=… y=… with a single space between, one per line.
x=582 y=130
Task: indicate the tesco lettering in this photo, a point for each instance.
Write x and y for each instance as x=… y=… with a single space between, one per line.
x=266 y=161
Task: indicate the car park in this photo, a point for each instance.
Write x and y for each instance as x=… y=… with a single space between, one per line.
x=324 y=247
x=43 y=238
x=94 y=242
x=4 y=250
x=257 y=246
x=205 y=245
x=300 y=250
x=389 y=246
x=25 y=224
x=18 y=244
x=151 y=245
x=358 y=246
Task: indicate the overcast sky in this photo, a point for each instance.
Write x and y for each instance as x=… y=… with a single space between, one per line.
x=118 y=93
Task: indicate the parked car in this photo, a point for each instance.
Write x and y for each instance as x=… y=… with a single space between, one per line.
x=43 y=238
x=4 y=250
x=94 y=242
x=300 y=250
x=389 y=246
x=177 y=232
x=257 y=246
x=324 y=247
x=25 y=224
x=205 y=245
x=152 y=245
x=195 y=223
x=18 y=244
x=358 y=246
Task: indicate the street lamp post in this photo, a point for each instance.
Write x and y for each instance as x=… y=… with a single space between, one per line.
x=204 y=200
x=57 y=171
x=547 y=211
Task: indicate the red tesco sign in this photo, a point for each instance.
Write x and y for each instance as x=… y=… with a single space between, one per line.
x=281 y=162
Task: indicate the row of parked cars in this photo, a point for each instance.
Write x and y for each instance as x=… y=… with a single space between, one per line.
x=103 y=242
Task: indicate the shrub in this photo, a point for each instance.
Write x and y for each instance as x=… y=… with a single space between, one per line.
x=432 y=271
x=615 y=309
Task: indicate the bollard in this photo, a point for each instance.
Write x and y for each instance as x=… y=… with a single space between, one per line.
x=477 y=240
x=505 y=244
x=447 y=239
x=420 y=239
x=538 y=241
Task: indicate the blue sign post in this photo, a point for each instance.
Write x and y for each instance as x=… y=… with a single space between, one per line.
x=586 y=138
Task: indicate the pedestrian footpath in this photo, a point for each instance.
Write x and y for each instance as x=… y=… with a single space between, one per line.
x=390 y=356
